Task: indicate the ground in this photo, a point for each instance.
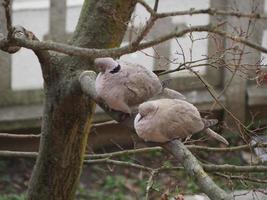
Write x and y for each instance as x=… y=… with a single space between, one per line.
x=120 y=183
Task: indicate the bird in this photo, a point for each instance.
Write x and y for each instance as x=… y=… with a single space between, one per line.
x=123 y=85
x=164 y=120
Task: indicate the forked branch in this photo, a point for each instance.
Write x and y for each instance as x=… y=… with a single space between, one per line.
x=8 y=42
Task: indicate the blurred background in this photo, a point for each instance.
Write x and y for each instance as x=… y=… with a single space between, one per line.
x=233 y=74
x=236 y=74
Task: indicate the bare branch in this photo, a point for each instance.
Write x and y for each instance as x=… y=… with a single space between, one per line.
x=147 y=7
x=6 y=28
x=213 y=12
x=21 y=154
x=196 y=148
x=20 y=33
x=214 y=95
x=124 y=152
x=234 y=168
x=105 y=159
x=156 y=5
x=207 y=167
x=144 y=32
x=117 y=162
x=226 y=149
x=224 y=168
x=7 y=6
x=241 y=178
x=150 y=182
x=18 y=136
x=194 y=170
x=209 y=11
x=114 y=52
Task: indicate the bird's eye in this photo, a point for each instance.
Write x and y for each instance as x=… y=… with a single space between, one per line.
x=115 y=70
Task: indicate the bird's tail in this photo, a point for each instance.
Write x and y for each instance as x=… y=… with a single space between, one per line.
x=171 y=94
x=216 y=136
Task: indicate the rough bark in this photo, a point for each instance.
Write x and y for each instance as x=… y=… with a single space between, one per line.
x=195 y=171
x=67 y=112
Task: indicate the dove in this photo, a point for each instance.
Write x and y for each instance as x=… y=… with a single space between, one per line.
x=123 y=85
x=164 y=120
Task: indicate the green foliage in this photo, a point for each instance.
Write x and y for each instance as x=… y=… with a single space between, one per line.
x=115 y=187
x=12 y=197
x=157 y=186
x=116 y=182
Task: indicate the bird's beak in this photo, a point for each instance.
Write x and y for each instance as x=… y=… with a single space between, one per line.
x=141 y=117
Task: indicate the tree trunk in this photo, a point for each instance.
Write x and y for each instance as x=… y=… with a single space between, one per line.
x=67 y=112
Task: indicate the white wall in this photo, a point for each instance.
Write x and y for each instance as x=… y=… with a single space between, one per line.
x=34 y=15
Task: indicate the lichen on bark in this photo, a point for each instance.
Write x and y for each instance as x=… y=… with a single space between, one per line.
x=67 y=111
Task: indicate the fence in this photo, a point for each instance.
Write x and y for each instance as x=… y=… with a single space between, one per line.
x=20 y=109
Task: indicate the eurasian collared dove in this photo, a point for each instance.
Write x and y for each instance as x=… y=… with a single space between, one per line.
x=123 y=85
x=166 y=119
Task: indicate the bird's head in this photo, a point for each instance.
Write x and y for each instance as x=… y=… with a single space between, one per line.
x=107 y=64
x=147 y=108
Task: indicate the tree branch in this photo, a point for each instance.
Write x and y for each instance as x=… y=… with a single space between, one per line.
x=242 y=178
x=106 y=159
x=18 y=136
x=7 y=43
x=117 y=162
x=130 y=48
x=44 y=57
x=7 y=6
x=21 y=34
x=127 y=152
x=209 y=11
x=6 y=29
x=21 y=154
x=194 y=170
x=234 y=168
x=196 y=148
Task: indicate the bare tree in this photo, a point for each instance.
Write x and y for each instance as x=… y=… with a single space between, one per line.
x=70 y=95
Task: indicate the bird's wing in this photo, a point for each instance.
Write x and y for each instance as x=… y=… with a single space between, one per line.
x=141 y=84
x=184 y=120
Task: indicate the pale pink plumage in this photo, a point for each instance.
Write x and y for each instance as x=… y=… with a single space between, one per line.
x=166 y=119
x=129 y=86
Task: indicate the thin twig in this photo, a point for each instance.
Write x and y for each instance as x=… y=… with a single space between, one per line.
x=107 y=160
x=20 y=154
x=234 y=168
x=156 y=5
x=18 y=136
x=117 y=162
x=113 y=52
x=124 y=152
x=7 y=7
x=209 y=11
x=150 y=182
x=243 y=178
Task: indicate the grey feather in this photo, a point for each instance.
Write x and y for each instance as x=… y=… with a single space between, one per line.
x=166 y=119
x=169 y=94
x=209 y=122
x=123 y=85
